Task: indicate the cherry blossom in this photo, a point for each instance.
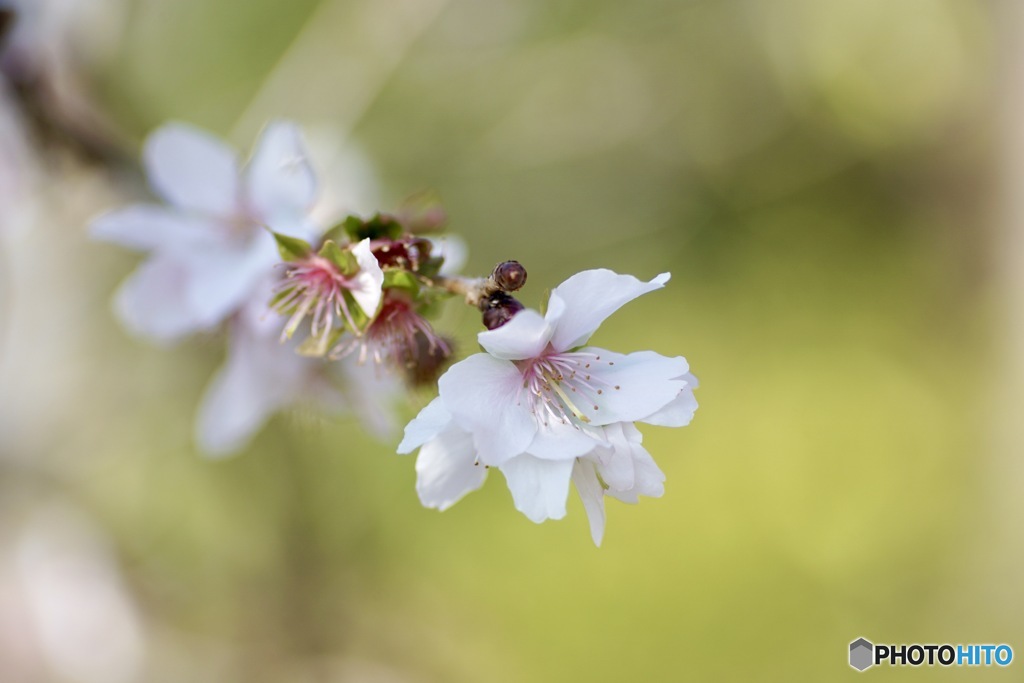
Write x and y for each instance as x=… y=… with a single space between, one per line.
x=263 y=376
x=545 y=409
x=208 y=244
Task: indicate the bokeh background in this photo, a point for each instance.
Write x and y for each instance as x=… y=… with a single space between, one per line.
x=835 y=187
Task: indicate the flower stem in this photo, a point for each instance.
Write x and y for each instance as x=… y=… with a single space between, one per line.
x=474 y=290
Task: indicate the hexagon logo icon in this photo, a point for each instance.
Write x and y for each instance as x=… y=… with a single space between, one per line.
x=861 y=654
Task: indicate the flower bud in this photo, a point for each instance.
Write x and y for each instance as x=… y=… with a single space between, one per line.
x=509 y=276
x=498 y=309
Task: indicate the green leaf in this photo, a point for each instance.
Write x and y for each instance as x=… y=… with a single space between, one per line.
x=353 y=227
x=292 y=248
x=337 y=233
x=342 y=258
x=399 y=278
x=381 y=226
x=431 y=267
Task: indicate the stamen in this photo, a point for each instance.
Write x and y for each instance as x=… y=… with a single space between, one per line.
x=556 y=385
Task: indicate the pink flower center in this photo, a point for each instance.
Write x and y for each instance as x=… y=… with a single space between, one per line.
x=314 y=287
x=395 y=336
x=562 y=386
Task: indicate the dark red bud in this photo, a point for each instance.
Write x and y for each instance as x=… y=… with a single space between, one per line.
x=509 y=276
x=498 y=309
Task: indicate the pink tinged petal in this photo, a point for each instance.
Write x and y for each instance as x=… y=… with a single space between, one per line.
x=280 y=182
x=366 y=286
x=446 y=469
x=192 y=169
x=152 y=302
x=592 y=494
x=482 y=394
x=430 y=422
x=589 y=298
x=147 y=227
x=526 y=335
x=539 y=487
x=559 y=441
x=631 y=387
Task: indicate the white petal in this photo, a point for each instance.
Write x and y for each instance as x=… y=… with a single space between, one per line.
x=145 y=226
x=649 y=479
x=224 y=277
x=280 y=182
x=539 y=487
x=259 y=318
x=366 y=285
x=526 y=335
x=559 y=441
x=446 y=469
x=371 y=394
x=347 y=179
x=615 y=463
x=646 y=381
x=481 y=392
x=428 y=424
x=244 y=393
x=590 y=297
x=678 y=413
x=592 y=495
x=192 y=169
x=152 y=302
x=454 y=250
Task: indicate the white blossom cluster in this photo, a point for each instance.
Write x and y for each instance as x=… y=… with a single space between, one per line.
x=234 y=246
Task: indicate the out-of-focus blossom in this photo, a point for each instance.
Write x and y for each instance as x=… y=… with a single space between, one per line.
x=213 y=258
x=263 y=376
x=209 y=245
x=348 y=181
x=65 y=613
x=538 y=406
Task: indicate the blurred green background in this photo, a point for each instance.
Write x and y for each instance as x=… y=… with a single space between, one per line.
x=822 y=180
